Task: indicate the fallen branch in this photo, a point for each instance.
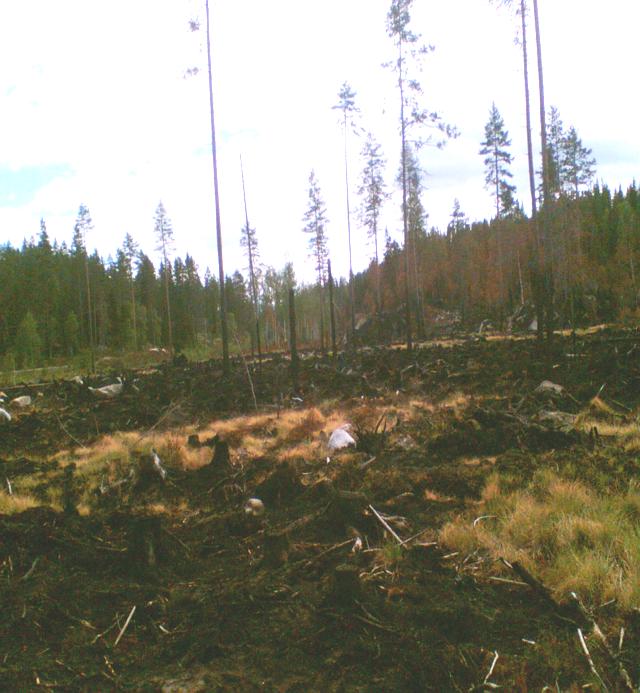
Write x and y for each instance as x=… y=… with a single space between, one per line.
x=75 y=440
x=622 y=672
x=246 y=368
x=592 y=666
x=29 y=572
x=386 y=525
x=170 y=409
x=493 y=664
x=309 y=561
x=124 y=628
x=539 y=588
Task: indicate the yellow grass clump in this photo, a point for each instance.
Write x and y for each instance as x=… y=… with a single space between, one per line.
x=16 y=503
x=566 y=534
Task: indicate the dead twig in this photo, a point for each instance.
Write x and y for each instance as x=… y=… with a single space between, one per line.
x=168 y=411
x=246 y=368
x=592 y=666
x=75 y=440
x=124 y=628
x=386 y=525
x=625 y=679
x=29 y=572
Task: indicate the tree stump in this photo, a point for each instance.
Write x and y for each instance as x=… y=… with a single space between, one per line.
x=344 y=587
x=276 y=550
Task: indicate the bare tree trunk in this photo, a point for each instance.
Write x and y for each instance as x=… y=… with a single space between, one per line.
x=214 y=156
x=293 y=342
x=547 y=265
x=527 y=100
x=252 y=275
x=89 y=313
x=133 y=316
x=405 y=224
x=351 y=292
x=167 y=269
x=332 y=316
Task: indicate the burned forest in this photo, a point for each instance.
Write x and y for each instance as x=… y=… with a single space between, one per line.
x=332 y=382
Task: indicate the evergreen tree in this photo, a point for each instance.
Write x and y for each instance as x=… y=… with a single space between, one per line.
x=555 y=146
x=164 y=244
x=71 y=334
x=83 y=226
x=131 y=252
x=347 y=105
x=412 y=113
x=28 y=345
x=249 y=242
x=315 y=221
x=495 y=149
x=577 y=164
x=373 y=192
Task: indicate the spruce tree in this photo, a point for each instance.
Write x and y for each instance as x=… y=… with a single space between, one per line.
x=249 y=242
x=83 y=225
x=164 y=244
x=131 y=252
x=315 y=221
x=409 y=49
x=373 y=193
x=495 y=149
x=577 y=164
x=347 y=105
x=28 y=345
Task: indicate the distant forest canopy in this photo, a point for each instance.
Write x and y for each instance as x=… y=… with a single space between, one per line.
x=477 y=271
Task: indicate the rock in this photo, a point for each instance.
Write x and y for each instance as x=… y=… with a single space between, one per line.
x=549 y=389
x=254 y=507
x=340 y=439
x=558 y=420
x=108 y=391
x=21 y=402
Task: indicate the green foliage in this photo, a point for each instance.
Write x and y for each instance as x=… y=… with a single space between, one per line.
x=495 y=149
x=71 y=333
x=28 y=345
x=315 y=222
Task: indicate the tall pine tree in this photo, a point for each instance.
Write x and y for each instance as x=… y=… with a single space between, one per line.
x=495 y=149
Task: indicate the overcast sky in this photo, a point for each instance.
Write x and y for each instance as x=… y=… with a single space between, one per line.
x=95 y=109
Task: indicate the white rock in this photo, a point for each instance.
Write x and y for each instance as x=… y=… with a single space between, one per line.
x=108 y=391
x=254 y=507
x=21 y=402
x=157 y=465
x=340 y=439
x=546 y=387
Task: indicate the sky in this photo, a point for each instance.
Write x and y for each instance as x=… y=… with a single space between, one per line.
x=97 y=108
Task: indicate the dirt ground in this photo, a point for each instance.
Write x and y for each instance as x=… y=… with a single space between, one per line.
x=127 y=582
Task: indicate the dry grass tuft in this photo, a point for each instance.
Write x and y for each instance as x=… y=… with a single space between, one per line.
x=566 y=534
x=16 y=503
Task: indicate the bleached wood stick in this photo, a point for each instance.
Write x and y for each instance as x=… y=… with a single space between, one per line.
x=493 y=664
x=385 y=524
x=9 y=485
x=29 y=572
x=592 y=666
x=622 y=672
x=126 y=624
